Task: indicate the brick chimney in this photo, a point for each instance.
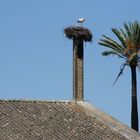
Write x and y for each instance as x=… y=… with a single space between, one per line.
x=78 y=70
x=78 y=34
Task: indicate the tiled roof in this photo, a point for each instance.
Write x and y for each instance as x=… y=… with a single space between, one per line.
x=56 y=120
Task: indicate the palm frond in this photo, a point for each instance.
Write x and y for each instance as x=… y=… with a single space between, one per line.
x=132 y=56
x=121 y=36
x=112 y=52
x=110 y=43
x=120 y=73
x=129 y=45
x=128 y=31
x=123 y=33
x=136 y=34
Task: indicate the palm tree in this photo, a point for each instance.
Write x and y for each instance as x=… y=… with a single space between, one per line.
x=129 y=49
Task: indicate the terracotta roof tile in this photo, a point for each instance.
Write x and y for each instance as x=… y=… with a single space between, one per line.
x=56 y=120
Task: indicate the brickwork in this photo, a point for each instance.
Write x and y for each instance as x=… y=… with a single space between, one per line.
x=78 y=70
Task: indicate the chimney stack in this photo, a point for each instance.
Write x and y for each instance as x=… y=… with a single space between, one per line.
x=78 y=34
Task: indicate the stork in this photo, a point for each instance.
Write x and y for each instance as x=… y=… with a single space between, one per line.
x=81 y=20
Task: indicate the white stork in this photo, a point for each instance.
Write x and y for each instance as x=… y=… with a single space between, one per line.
x=81 y=20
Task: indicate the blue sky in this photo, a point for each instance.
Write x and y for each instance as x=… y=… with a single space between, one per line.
x=36 y=58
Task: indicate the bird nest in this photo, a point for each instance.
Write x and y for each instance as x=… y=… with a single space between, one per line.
x=77 y=32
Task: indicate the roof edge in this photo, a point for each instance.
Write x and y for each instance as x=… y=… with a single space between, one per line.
x=90 y=110
x=32 y=100
x=116 y=125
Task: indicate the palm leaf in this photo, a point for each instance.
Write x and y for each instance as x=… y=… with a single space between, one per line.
x=128 y=31
x=121 y=36
x=120 y=73
x=123 y=33
x=129 y=46
x=133 y=57
x=110 y=43
x=137 y=33
x=112 y=52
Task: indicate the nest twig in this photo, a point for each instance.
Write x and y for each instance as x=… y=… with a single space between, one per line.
x=78 y=32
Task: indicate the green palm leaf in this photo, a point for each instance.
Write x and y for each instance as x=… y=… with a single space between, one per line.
x=129 y=46
x=110 y=43
x=128 y=30
x=112 y=52
x=121 y=36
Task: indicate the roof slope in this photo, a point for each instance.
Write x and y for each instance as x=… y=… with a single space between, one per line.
x=53 y=120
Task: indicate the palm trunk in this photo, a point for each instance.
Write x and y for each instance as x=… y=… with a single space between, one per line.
x=134 y=109
x=78 y=51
